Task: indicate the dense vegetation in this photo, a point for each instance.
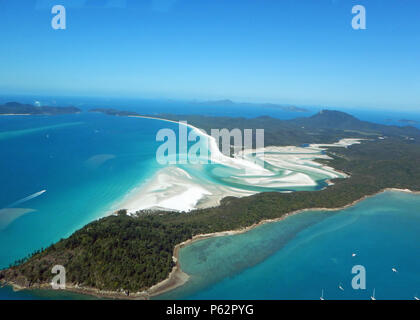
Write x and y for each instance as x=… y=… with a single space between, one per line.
x=113 y=253
x=324 y=127
x=18 y=108
x=132 y=253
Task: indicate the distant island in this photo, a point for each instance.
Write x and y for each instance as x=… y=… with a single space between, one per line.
x=114 y=112
x=15 y=108
x=227 y=103
x=135 y=256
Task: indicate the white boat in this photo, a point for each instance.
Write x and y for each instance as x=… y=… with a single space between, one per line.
x=416 y=298
x=340 y=287
x=353 y=254
x=373 y=296
x=322 y=295
x=394 y=270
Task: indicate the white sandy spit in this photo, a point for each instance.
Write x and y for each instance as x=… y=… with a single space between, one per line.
x=173 y=188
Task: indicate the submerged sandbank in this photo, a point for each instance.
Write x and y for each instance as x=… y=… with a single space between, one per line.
x=173 y=276
x=192 y=186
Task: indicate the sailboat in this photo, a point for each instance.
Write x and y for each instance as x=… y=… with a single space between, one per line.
x=322 y=295
x=373 y=296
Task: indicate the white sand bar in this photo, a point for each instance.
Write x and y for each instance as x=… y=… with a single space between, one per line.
x=184 y=188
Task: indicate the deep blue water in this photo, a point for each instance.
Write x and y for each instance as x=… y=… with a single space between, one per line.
x=86 y=163
x=85 y=166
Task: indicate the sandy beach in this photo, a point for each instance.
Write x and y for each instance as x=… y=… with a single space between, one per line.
x=174 y=188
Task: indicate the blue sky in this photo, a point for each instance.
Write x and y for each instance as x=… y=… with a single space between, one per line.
x=293 y=52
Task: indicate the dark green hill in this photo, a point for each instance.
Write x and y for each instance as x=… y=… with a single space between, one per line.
x=331 y=119
x=323 y=127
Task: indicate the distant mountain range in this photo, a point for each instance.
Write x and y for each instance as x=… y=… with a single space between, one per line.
x=19 y=108
x=227 y=103
x=326 y=126
x=330 y=119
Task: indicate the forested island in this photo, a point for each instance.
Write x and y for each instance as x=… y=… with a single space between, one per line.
x=115 y=112
x=128 y=254
x=15 y=108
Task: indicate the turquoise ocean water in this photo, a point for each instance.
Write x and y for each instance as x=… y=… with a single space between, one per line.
x=85 y=162
x=60 y=173
x=300 y=256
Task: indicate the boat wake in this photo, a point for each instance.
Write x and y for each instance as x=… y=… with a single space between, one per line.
x=32 y=196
